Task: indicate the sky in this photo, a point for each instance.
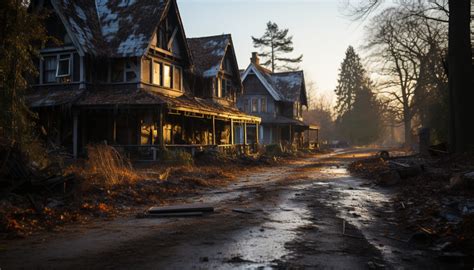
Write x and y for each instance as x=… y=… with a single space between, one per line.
x=321 y=31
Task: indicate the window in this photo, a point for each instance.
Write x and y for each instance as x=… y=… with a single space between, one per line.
x=254 y=105
x=225 y=87
x=219 y=87
x=64 y=66
x=167 y=76
x=49 y=69
x=263 y=105
x=296 y=109
x=246 y=105
x=177 y=78
x=156 y=73
x=117 y=71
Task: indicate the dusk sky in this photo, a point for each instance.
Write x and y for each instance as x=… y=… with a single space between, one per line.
x=320 y=28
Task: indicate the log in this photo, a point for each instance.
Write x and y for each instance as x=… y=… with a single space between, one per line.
x=181 y=209
x=171 y=215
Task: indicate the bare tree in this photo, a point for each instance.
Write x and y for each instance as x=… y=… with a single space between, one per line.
x=459 y=60
x=403 y=46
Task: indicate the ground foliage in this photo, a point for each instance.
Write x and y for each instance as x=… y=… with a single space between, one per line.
x=430 y=204
x=107 y=186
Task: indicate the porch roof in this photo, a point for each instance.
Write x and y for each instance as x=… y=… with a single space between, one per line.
x=207 y=107
x=282 y=120
x=184 y=103
x=49 y=98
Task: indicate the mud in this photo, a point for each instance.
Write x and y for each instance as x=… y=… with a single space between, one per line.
x=293 y=217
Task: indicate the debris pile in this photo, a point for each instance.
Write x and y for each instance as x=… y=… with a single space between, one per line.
x=434 y=199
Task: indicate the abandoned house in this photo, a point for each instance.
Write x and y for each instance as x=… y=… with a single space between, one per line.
x=278 y=99
x=125 y=74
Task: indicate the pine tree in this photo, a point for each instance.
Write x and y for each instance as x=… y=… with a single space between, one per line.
x=351 y=79
x=275 y=43
x=358 y=111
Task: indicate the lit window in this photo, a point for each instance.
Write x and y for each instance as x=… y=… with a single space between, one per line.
x=254 y=105
x=156 y=73
x=177 y=78
x=167 y=76
x=64 y=66
x=219 y=87
x=49 y=69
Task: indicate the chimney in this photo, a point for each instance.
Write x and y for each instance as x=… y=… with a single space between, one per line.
x=255 y=59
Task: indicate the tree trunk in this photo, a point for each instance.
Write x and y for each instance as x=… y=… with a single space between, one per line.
x=460 y=79
x=407 y=122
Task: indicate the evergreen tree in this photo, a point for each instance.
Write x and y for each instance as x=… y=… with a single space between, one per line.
x=275 y=43
x=358 y=111
x=351 y=80
x=21 y=35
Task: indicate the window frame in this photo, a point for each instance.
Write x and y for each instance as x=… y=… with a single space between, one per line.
x=170 y=86
x=160 y=73
x=263 y=105
x=58 y=63
x=179 y=87
x=254 y=103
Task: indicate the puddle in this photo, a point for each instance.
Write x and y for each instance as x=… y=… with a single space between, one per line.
x=266 y=242
x=355 y=204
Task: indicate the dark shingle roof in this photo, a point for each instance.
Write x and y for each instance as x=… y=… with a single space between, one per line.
x=208 y=53
x=116 y=28
x=289 y=86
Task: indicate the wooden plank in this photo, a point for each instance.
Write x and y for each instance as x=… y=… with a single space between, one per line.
x=181 y=209
x=170 y=215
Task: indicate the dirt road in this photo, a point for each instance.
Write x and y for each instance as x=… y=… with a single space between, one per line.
x=307 y=214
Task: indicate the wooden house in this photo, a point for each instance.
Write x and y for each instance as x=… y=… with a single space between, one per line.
x=278 y=99
x=124 y=73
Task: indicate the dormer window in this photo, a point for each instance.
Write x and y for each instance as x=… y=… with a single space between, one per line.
x=49 y=69
x=64 y=66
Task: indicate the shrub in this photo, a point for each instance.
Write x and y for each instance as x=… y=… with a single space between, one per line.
x=108 y=166
x=177 y=157
x=274 y=150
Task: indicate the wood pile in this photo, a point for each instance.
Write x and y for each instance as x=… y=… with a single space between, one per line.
x=17 y=174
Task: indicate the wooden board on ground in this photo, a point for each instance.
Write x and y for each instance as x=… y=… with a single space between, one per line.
x=205 y=208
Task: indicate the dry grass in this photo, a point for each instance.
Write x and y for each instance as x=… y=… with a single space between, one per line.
x=106 y=167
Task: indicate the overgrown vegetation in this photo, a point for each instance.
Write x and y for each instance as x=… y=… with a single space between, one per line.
x=107 y=167
x=21 y=35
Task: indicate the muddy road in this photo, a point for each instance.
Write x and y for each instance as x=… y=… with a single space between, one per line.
x=307 y=214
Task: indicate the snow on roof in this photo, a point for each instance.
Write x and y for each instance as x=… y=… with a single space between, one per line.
x=289 y=84
x=284 y=86
x=115 y=28
x=208 y=53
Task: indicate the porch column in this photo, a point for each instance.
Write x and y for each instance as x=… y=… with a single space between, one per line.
x=214 y=130
x=114 y=134
x=74 y=134
x=232 y=131
x=160 y=128
x=245 y=133
x=82 y=75
x=291 y=135
x=256 y=133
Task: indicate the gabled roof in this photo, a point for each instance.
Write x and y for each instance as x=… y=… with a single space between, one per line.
x=282 y=86
x=209 y=53
x=115 y=28
x=291 y=85
x=265 y=79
